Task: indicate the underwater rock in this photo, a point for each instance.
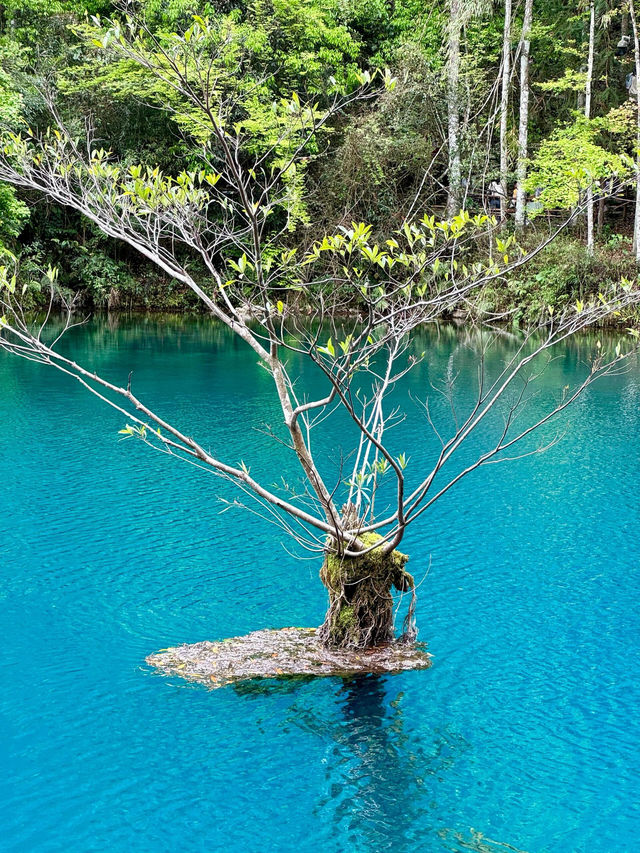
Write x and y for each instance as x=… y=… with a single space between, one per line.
x=283 y=653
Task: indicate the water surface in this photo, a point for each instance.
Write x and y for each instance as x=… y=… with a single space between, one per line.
x=525 y=732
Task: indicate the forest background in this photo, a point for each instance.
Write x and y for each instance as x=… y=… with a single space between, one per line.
x=473 y=81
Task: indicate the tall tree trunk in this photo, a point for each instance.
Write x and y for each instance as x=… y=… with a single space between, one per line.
x=523 y=127
x=587 y=113
x=636 y=52
x=453 y=107
x=504 y=108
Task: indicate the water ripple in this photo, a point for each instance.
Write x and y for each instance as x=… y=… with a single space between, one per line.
x=523 y=736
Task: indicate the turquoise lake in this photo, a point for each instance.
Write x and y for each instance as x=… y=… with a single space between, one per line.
x=523 y=736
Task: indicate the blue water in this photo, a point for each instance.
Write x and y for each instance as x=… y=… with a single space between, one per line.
x=524 y=734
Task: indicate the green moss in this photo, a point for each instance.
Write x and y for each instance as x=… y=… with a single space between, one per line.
x=346 y=618
x=360 y=602
x=337 y=571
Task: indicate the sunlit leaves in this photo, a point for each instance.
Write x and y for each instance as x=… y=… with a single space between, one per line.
x=329 y=349
x=421 y=254
x=135 y=431
x=570 y=160
x=242 y=266
x=8 y=277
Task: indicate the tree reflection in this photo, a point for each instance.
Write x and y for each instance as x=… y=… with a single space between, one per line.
x=381 y=788
x=382 y=778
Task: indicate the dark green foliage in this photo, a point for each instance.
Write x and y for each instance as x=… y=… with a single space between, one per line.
x=374 y=164
x=385 y=150
x=561 y=274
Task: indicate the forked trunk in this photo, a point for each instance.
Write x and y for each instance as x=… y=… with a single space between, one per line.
x=360 y=613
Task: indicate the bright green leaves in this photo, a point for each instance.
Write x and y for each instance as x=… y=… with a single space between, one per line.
x=407 y=264
x=328 y=349
x=51 y=275
x=389 y=80
x=287 y=256
x=346 y=344
x=503 y=247
x=139 y=189
x=570 y=160
x=150 y=189
x=366 y=479
x=199 y=31
x=8 y=272
x=141 y=431
x=242 y=266
x=13 y=213
x=375 y=255
x=11 y=103
x=382 y=466
x=345 y=347
x=571 y=81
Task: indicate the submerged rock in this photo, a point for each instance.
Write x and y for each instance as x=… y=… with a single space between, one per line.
x=283 y=653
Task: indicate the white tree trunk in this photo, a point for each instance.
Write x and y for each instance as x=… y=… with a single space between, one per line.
x=636 y=52
x=504 y=108
x=523 y=127
x=587 y=113
x=453 y=108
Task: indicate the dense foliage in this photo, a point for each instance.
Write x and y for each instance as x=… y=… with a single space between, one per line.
x=385 y=158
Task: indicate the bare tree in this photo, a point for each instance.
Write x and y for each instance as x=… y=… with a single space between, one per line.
x=460 y=12
x=231 y=214
x=454 y=199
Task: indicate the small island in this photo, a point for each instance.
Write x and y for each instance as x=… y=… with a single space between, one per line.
x=283 y=653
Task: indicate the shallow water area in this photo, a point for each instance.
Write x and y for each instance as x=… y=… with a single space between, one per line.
x=522 y=735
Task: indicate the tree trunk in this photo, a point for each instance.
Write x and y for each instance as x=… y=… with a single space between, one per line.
x=504 y=109
x=587 y=113
x=601 y=210
x=453 y=108
x=523 y=127
x=636 y=52
x=360 y=614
